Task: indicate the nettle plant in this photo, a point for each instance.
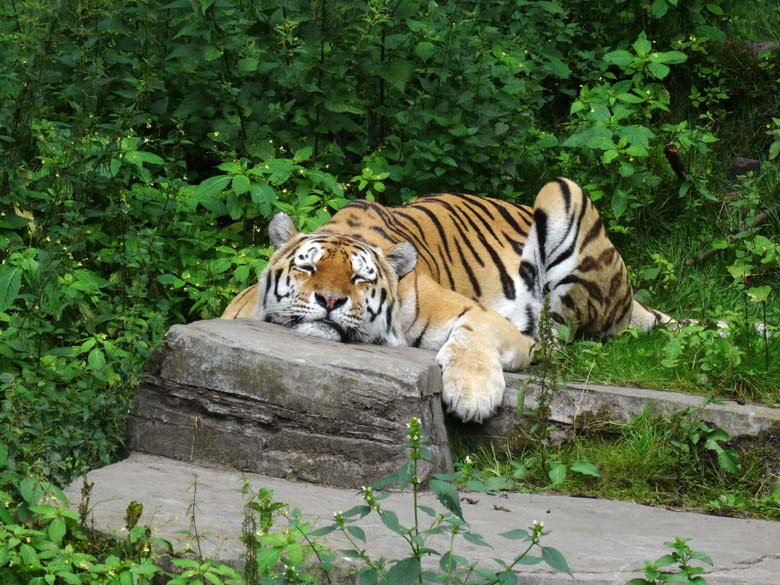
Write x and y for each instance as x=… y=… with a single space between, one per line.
x=429 y=524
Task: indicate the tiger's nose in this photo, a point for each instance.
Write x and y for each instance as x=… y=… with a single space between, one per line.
x=330 y=302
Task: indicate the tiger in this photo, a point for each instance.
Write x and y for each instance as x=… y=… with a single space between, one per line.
x=463 y=275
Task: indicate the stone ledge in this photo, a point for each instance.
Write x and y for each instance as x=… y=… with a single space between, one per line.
x=622 y=404
x=258 y=397
x=602 y=540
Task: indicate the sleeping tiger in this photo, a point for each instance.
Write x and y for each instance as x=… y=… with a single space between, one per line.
x=460 y=274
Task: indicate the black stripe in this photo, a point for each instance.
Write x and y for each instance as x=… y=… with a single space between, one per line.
x=469 y=271
x=439 y=227
x=477 y=202
x=421 y=246
x=455 y=214
x=517 y=246
x=418 y=341
x=507 y=216
x=382 y=300
x=540 y=221
x=507 y=283
x=268 y=275
x=468 y=205
x=593 y=233
x=592 y=288
x=244 y=303
x=382 y=232
x=447 y=269
x=565 y=191
x=277 y=277
x=528 y=273
x=530 y=328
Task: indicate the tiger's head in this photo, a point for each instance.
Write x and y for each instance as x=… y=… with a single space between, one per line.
x=333 y=286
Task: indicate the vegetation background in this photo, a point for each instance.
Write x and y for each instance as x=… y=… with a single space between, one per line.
x=145 y=146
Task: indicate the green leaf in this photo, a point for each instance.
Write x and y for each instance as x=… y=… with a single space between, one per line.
x=720 y=244
x=96 y=360
x=390 y=519
x=57 y=530
x=774 y=150
x=341 y=108
x=642 y=46
x=475 y=538
x=212 y=186
x=28 y=554
x=728 y=459
x=425 y=50
x=404 y=572
x=621 y=58
x=585 y=468
x=516 y=534
x=448 y=496
x=211 y=53
x=636 y=150
x=10 y=283
x=759 y=294
x=267 y=559
x=673 y=57
x=303 y=154
x=609 y=156
x=557 y=473
x=499 y=483
x=357 y=532
x=248 y=64
x=659 y=70
x=555 y=559
x=507 y=578
x=659 y=8
x=240 y=184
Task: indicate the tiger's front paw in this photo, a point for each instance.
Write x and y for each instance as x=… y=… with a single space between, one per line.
x=472 y=379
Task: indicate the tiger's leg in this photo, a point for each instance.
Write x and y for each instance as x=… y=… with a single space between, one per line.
x=569 y=258
x=475 y=345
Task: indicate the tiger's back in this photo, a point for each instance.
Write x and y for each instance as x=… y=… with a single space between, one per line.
x=474 y=246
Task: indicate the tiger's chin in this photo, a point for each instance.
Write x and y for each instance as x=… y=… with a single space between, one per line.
x=322 y=329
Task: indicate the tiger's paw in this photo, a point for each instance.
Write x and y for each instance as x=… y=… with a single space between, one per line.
x=472 y=380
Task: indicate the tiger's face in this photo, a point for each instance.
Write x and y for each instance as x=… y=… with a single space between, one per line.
x=333 y=286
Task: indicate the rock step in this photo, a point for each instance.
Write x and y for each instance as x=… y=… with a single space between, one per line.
x=260 y=398
x=601 y=540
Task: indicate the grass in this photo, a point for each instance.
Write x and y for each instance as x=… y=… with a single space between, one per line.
x=743 y=365
x=647 y=460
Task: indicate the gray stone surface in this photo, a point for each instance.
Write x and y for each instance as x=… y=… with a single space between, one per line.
x=622 y=404
x=602 y=540
x=258 y=397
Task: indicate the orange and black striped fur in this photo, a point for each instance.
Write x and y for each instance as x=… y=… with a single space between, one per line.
x=460 y=274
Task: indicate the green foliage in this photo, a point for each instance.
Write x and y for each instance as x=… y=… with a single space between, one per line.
x=681 y=558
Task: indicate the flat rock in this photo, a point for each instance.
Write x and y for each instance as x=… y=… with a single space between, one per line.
x=257 y=397
x=572 y=400
x=603 y=541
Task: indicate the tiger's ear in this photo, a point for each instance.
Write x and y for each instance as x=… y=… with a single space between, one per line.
x=281 y=229
x=402 y=258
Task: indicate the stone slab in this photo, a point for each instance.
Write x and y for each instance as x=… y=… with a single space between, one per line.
x=258 y=397
x=602 y=540
x=622 y=404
